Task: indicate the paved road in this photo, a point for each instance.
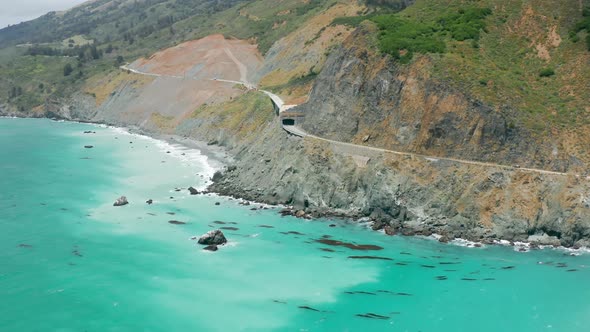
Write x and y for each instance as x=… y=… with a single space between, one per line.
x=353 y=149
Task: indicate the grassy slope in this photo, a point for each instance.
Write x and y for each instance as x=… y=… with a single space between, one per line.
x=524 y=57
x=522 y=39
x=241 y=118
x=109 y=23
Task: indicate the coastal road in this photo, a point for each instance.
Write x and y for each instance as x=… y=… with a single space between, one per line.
x=360 y=149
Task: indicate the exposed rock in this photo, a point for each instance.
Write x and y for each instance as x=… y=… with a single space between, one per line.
x=149 y=201
x=193 y=191
x=444 y=239
x=88 y=146
x=217 y=203
x=121 y=201
x=378 y=225
x=389 y=230
x=213 y=237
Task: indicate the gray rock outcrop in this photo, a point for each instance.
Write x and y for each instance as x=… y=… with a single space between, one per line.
x=213 y=237
x=121 y=201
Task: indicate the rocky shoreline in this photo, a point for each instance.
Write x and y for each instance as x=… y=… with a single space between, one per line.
x=398 y=221
x=441 y=229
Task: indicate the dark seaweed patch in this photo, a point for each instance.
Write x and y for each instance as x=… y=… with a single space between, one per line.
x=308 y=308
x=266 y=226
x=176 y=222
x=405 y=253
x=372 y=316
x=393 y=293
x=449 y=263
x=24 y=245
x=468 y=279
x=401 y=263
x=292 y=232
x=489 y=279
x=371 y=257
x=281 y=302
x=428 y=266
x=219 y=222
x=572 y=270
x=508 y=267
x=349 y=245
x=227 y=228
x=441 y=278
x=359 y=292
x=327 y=249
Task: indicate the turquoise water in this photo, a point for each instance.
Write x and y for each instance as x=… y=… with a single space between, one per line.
x=70 y=261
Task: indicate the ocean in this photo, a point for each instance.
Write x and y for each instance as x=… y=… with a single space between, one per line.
x=71 y=261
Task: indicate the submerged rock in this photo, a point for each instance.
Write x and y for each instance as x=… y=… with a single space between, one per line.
x=213 y=237
x=88 y=146
x=211 y=247
x=121 y=201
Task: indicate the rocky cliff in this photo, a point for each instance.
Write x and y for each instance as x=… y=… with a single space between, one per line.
x=366 y=98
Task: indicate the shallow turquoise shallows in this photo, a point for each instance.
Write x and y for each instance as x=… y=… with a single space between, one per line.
x=71 y=261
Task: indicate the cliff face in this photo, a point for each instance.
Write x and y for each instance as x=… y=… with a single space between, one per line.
x=366 y=98
x=412 y=195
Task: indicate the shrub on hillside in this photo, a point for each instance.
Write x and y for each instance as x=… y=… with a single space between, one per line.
x=466 y=23
x=547 y=72
x=402 y=38
x=584 y=24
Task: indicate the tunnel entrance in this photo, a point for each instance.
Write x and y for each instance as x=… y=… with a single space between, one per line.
x=288 y=122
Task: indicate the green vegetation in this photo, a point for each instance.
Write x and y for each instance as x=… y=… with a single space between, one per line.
x=584 y=24
x=547 y=72
x=68 y=69
x=401 y=36
x=466 y=23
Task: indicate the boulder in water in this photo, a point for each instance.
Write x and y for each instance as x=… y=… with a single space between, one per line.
x=213 y=237
x=149 y=201
x=193 y=191
x=121 y=201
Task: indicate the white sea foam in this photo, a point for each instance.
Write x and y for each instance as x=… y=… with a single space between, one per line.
x=467 y=243
x=187 y=156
